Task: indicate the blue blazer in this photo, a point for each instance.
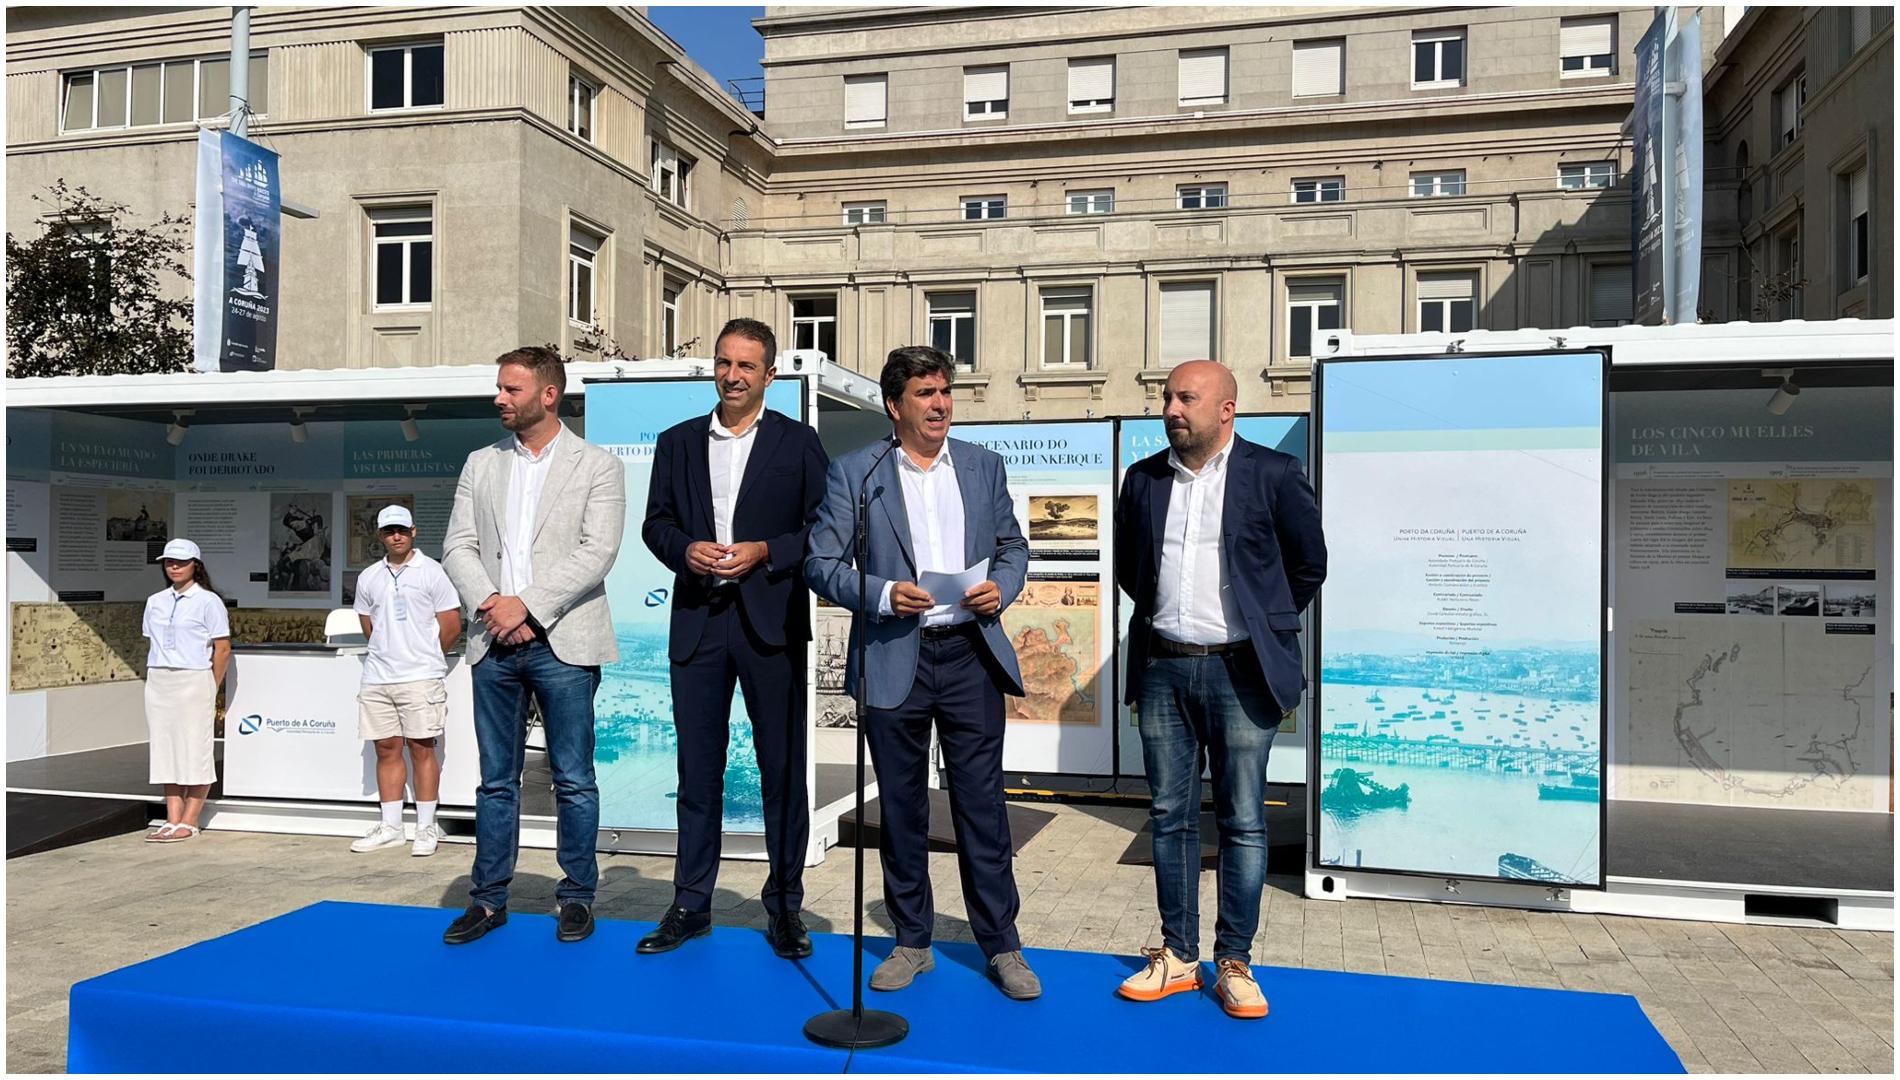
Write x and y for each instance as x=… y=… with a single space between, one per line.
x=778 y=499
x=1270 y=537
x=989 y=531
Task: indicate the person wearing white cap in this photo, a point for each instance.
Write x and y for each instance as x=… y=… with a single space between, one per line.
x=190 y=651
x=411 y=615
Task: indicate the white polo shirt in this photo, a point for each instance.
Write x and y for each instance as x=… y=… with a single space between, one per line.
x=405 y=644
x=182 y=626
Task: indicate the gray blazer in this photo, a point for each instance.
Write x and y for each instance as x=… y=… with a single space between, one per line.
x=576 y=539
x=989 y=531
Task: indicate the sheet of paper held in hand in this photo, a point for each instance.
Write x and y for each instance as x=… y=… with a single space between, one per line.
x=949 y=588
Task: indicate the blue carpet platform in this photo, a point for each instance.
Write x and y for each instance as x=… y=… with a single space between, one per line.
x=338 y=987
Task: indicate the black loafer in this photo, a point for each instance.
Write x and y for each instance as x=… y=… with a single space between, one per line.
x=786 y=934
x=676 y=928
x=473 y=923
x=576 y=922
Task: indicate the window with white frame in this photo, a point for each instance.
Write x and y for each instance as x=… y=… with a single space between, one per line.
x=580 y=107
x=669 y=174
x=864 y=101
x=86 y=246
x=1065 y=327
x=1586 y=175
x=1092 y=85
x=952 y=321
x=1187 y=321
x=1092 y=202
x=402 y=265
x=1447 y=302
x=1787 y=109
x=864 y=213
x=162 y=92
x=1203 y=76
x=670 y=316
x=1587 y=46
x=1438 y=58
x=1320 y=189
x=1857 y=237
x=986 y=93
x=985 y=207
x=405 y=76
x=815 y=323
x=1612 y=297
x=1312 y=306
x=1319 y=68
x=1200 y=196
x=1432 y=185
x=583 y=275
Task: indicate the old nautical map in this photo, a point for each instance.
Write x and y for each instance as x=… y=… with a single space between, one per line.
x=1053 y=626
x=1801 y=524
x=58 y=645
x=1771 y=713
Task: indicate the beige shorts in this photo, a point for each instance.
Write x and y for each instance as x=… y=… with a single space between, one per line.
x=411 y=710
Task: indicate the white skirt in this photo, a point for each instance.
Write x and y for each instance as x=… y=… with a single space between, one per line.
x=180 y=711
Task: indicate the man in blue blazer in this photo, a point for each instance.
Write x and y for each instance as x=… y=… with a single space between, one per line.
x=733 y=496
x=1218 y=543
x=935 y=504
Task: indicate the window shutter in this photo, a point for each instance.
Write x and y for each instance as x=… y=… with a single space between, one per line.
x=1611 y=298
x=1857 y=193
x=1187 y=322
x=1203 y=76
x=864 y=99
x=1445 y=287
x=985 y=84
x=1318 y=68
x=1587 y=37
x=1092 y=80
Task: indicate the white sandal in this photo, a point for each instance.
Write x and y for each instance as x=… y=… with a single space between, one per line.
x=179 y=832
x=162 y=835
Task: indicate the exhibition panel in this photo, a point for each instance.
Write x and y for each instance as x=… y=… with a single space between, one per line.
x=1460 y=631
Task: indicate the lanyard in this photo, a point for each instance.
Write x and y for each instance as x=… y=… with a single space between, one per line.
x=171 y=632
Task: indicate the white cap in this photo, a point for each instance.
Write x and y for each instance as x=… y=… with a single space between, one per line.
x=395 y=515
x=181 y=549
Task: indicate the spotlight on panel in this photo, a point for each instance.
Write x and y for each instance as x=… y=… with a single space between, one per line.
x=411 y=431
x=1784 y=396
x=176 y=432
x=298 y=432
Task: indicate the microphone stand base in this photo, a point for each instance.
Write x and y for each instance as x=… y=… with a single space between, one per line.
x=866 y=1030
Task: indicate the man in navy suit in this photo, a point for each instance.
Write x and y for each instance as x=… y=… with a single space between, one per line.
x=733 y=497
x=935 y=504
x=1218 y=543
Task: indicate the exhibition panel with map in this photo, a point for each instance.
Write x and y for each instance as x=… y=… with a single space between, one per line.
x=1060 y=476
x=1140 y=438
x=1460 y=632
x=636 y=742
x=1753 y=655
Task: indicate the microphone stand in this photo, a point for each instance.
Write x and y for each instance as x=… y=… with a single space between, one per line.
x=858 y=1028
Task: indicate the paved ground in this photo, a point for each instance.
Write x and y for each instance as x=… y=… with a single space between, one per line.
x=1743 y=999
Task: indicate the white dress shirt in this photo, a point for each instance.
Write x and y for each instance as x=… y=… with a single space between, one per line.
x=933 y=505
x=1194 y=600
x=524 y=504
x=182 y=626
x=726 y=455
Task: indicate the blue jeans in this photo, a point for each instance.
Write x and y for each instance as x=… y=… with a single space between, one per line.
x=503 y=680
x=1217 y=707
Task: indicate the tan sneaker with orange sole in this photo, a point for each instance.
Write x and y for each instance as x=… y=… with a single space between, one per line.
x=1239 y=994
x=1165 y=974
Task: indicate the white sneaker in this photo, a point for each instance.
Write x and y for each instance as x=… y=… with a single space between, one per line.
x=427 y=836
x=382 y=836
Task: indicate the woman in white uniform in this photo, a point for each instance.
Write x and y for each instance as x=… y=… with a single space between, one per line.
x=190 y=650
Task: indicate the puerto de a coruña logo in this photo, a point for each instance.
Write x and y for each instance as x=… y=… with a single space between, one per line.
x=297 y=725
x=657 y=598
x=249 y=725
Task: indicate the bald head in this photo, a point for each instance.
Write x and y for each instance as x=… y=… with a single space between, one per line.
x=1198 y=408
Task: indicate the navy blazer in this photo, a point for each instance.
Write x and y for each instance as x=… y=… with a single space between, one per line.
x=779 y=495
x=1270 y=538
x=990 y=532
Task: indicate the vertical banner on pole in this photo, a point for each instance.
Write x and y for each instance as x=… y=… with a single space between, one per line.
x=253 y=205
x=1685 y=200
x=207 y=254
x=1646 y=181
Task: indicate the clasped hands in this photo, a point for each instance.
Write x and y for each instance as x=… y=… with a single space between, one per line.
x=729 y=562
x=908 y=598
x=506 y=619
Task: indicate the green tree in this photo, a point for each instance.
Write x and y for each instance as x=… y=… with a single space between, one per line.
x=95 y=294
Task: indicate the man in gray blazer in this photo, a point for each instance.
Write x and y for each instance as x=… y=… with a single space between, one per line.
x=535 y=528
x=935 y=504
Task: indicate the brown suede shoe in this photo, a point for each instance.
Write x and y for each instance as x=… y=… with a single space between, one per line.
x=1239 y=994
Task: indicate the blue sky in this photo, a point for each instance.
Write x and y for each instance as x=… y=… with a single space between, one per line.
x=719 y=39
